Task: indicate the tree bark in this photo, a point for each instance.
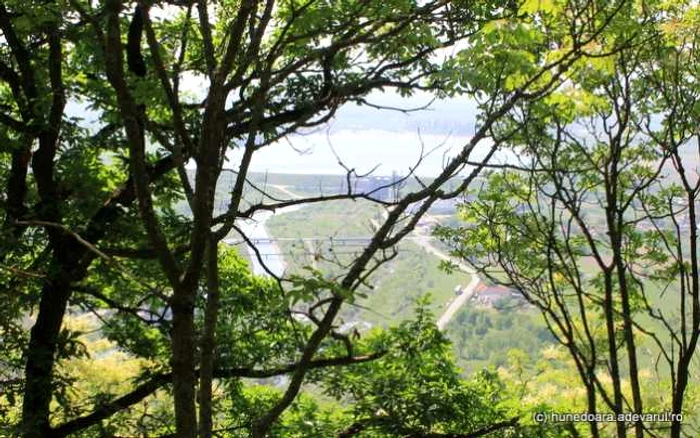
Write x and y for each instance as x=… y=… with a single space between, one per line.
x=40 y=359
x=206 y=368
x=183 y=362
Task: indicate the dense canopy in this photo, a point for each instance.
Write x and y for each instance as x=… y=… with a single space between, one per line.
x=125 y=314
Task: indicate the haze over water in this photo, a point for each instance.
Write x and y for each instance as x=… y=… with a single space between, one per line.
x=365 y=138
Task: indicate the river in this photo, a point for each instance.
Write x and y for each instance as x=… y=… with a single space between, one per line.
x=270 y=252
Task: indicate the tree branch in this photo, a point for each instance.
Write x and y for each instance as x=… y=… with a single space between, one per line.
x=159 y=380
x=135 y=133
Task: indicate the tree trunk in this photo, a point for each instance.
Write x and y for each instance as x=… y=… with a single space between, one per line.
x=608 y=310
x=183 y=362
x=206 y=366
x=40 y=360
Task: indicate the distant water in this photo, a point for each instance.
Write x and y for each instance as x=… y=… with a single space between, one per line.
x=362 y=150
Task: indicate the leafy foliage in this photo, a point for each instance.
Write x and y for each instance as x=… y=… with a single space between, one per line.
x=89 y=206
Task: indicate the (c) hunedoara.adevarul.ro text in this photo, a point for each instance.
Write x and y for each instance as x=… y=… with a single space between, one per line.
x=631 y=417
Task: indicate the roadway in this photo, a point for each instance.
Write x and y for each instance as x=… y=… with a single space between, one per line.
x=424 y=241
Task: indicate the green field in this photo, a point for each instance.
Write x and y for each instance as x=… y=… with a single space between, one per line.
x=343 y=218
x=395 y=286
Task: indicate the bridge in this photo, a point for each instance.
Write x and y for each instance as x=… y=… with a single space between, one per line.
x=340 y=241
